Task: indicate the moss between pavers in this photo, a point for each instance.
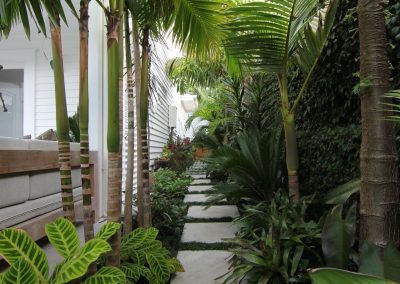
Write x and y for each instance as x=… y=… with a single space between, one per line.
x=205 y=246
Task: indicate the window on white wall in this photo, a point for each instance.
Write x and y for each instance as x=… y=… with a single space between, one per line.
x=11 y=102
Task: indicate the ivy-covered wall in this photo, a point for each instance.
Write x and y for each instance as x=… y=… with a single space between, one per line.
x=328 y=118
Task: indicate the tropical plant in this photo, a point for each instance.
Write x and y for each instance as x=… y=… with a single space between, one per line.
x=177 y=155
x=201 y=39
x=114 y=198
x=253 y=167
x=379 y=222
x=62 y=122
x=168 y=207
x=131 y=132
x=29 y=263
x=144 y=256
x=74 y=132
x=88 y=213
x=338 y=236
x=333 y=276
x=275 y=244
x=271 y=36
x=373 y=266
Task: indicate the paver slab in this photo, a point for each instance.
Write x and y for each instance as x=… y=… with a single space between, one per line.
x=210 y=233
x=200 y=188
x=198 y=176
x=192 y=198
x=202 y=267
x=201 y=181
x=213 y=212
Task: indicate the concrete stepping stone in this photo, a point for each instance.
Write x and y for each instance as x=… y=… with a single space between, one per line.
x=209 y=233
x=213 y=212
x=200 y=188
x=198 y=176
x=201 y=181
x=197 y=198
x=202 y=267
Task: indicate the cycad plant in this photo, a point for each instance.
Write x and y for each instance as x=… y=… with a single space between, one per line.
x=254 y=167
x=29 y=263
x=273 y=35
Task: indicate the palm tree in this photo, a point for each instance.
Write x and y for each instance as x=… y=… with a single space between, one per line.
x=113 y=129
x=201 y=39
x=379 y=196
x=131 y=132
x=271 y=36
x=14 y=11
x=88 y=213
x=62 y=121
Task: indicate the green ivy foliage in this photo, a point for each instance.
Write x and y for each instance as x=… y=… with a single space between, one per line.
x=328 y=117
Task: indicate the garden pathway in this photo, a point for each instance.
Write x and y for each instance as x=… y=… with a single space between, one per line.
x=203 y=252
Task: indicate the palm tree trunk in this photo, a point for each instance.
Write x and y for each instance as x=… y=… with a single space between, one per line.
x=113 y=134
x=64 y=154
x=292 y=156
x=380 y=194
x=138 y=80
x=88 y=213
x=131 y=133
x=144 y=113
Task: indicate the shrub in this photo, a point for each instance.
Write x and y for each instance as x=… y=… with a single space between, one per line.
x=145 y=257
x=275 y=243
x=177 y=155
x=29 y=263
x=168 y=208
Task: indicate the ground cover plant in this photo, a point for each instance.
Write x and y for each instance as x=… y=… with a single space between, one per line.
x=169 y=210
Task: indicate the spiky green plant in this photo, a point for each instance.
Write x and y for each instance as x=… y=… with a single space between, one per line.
x=272 y=35
x=29 y=263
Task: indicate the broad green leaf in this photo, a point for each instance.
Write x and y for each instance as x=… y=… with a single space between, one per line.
x=78 y=265
x=337 y=276
x=138 y=237
x=391 y=262
x=109 y=275
x=158 y=266
x=341 y=194
x=175 y=265
x=16 y=244
x=21 y=272
x=134 y=271
x=107 y=231
x=337 y=239
x=370 y=262
x=63 y=236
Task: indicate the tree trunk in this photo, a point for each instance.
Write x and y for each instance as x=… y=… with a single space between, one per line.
x=88 y=213
x=64 y=154
x=131 y=134
x=138 y=80
x=144 y=113
x=292 y=156
x=113 y=135
x=380 y=195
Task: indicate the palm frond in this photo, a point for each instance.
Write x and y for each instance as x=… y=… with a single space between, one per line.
x=196 y=26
